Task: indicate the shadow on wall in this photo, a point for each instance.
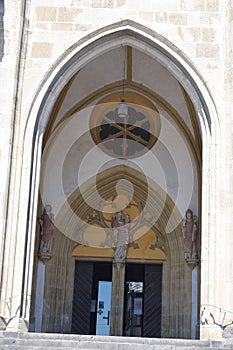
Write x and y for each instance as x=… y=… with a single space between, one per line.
x=2 y=41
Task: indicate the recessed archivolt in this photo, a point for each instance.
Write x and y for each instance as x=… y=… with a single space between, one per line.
x=155 y=203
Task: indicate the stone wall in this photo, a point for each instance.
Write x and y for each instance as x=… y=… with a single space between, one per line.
x=197 y=28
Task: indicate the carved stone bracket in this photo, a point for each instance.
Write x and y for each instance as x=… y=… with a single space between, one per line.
x=118 y=264
x=192 y=262
x=44 y=257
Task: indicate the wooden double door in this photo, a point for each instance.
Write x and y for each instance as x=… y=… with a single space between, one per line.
x=93 y=295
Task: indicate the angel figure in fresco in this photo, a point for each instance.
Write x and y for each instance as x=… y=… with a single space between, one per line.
x=121 y=235
x=47 y=229
x=189 y=230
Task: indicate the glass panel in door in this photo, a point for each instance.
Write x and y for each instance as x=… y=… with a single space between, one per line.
x=133 y=309
x=103 y=308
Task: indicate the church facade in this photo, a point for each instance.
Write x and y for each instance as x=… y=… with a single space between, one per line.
x=116 y=167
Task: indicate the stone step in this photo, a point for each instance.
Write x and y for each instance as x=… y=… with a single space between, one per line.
x=68 y=347
x=89 y=339
x=48 y=341
x=35 y=347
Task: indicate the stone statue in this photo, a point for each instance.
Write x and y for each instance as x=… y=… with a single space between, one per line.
x=47 y=229
x=189 y=229
x=121 y=235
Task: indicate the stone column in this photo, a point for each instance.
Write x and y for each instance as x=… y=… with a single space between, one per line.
x=39 y=296
x=194 y=303
x=117 y=304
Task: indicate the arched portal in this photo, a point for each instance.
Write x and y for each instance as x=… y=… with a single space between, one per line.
x=74 y=113
x=151 y=253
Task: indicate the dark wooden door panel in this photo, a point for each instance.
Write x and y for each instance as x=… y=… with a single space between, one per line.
x=152 y=301
x=82 y=298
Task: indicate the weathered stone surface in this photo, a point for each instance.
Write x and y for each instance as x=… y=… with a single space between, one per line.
x=207 y=50
x=178 y=18
x=44 y=14
x=189 y=5
x=209 y=34
x=42 y=50
x=212 y=5
x=50 y=341
x=189 y=34
x=66 y=14
x=228 y=332
x=146 y=15
x=97 y=3
x=160 y=17
x=62 y=26
x=108 y=3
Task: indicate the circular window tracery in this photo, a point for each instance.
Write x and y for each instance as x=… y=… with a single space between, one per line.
x=127 y=137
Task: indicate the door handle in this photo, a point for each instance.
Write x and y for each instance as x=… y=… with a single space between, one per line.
x=107 y=318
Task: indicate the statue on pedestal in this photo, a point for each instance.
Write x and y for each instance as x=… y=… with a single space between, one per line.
x=121 y=235
x=189 y=230
x=47 y=229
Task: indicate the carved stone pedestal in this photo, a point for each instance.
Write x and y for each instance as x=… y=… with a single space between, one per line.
x=44 y=257
x=192 y=262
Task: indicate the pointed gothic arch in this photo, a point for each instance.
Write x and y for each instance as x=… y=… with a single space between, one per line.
x=128 y=33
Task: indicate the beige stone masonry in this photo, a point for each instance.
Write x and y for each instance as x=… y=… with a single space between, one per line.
x=212 y=5
x=62 y=26
x=209 y=34
x=190 y=5
x=46 y=14
x=76 y=3
x=42 y=50
x=120 y=3
x=97 y=3
x=213 y=64
x=178 y=18
x=190 y=34
x=108 y=4
x=82 y=27
x=211 y=19
x=146 y=15
x=68 y=14
x=160 y=17
x=42 y=25
x=207 y=50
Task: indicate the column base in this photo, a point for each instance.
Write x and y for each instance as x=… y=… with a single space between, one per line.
x=17 y=325
x=228 y=332
x=2 y=324
x=211 y=332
